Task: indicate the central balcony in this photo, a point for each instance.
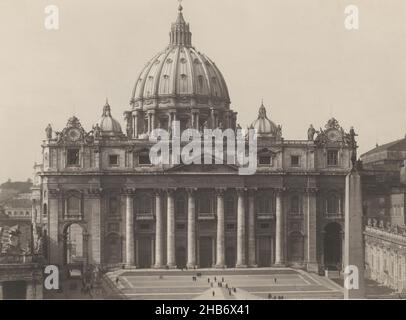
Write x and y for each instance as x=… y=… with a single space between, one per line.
x=265 y=215
x=207 y=216
x=145 y=216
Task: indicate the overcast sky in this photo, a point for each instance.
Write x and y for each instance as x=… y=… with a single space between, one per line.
x=295 y=54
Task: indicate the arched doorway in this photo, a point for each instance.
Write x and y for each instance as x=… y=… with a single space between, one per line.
x=332 y=246
x=144 y=252
x=205 y=252
x=264 y=251
x=180 y=257
x=231 y=258
x=75 y=244
x=113 y=248
x=296 y=247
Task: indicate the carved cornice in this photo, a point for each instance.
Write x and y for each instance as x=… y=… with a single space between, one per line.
x=128 y=191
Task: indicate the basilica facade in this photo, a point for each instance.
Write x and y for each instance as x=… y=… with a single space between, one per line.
x=104 y=202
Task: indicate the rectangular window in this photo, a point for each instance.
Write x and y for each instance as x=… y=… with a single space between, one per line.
x=180 y=226
x=264 y=160
x=295 y=161
x=144 y=226
x=72 y=157
x=332 y=157
x=230 y=226
x=113 y=160
x=143 y=158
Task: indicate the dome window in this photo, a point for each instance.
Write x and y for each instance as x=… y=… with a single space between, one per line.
x=196 y=61
x=200 y=79
x=165 y=76
x=183 y=76
x=169 y=61
x=183 y=60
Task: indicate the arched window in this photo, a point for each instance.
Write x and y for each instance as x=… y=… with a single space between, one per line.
x=73 y=206
x=144 y=202
x=180 y=205
x=114 y=205
x=333 y=204
x=295 y=204
x=206 y=203
x=264 y=204
x=229 y=205
x=45 y=210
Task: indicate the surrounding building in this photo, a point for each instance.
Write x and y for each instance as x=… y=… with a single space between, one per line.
x=384 y=188
x=106 y=203
x=20 y=267
x=384 y=182
x=19 y=206
x=385 y=254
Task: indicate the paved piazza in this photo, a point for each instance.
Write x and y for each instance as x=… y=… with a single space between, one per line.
x=249 y=284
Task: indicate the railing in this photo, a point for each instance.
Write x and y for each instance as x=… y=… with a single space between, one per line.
x=265 y=215
x=20 y=258
x=73 y=217
x=207 y=215
x=144 y=216
x=337 y=215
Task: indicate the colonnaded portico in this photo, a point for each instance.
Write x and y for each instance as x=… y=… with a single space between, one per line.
x=206 y=245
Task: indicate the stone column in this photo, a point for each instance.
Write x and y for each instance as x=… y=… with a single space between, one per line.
x=158 y=231
x=153 y=120
x=220 y=250
x=135 y=124
x=197 y=121
x=1 y=291
x=311 y=216
x=170 y=221
x=354 y=240
x=241 y=229
x=279 y=243
x=251 y=230
x=149 y=123
x=129 y=231
x=191 y=230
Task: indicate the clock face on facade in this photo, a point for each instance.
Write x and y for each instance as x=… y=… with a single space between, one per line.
x=74 y=134
x=333 y=135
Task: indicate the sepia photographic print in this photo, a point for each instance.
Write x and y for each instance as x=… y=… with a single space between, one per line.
x=188 y=150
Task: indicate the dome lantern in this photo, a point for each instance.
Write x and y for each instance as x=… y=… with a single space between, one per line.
x=180 y=32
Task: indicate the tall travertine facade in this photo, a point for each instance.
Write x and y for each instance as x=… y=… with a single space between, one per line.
x=105 y=203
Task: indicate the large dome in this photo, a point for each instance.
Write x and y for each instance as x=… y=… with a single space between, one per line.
x=180 y=71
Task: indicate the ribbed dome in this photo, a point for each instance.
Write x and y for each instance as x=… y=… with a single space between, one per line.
x=263 y=125
x=108 y=124
x=180 y=71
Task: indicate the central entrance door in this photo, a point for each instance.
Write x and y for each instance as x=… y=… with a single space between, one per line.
x=144 y=253
x=180 y=257
x=205 y=252
x=230 y=257
x=264 y=251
